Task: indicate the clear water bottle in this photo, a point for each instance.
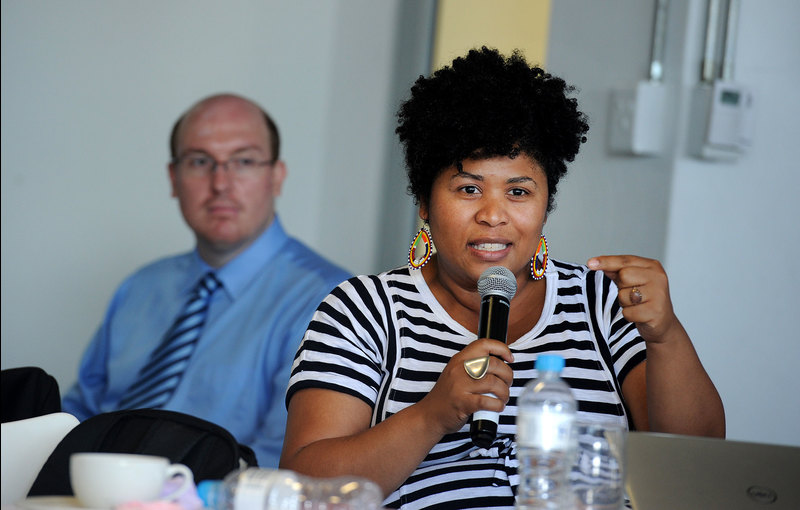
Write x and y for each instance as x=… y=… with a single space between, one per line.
x=278 y=489
x=546 y=416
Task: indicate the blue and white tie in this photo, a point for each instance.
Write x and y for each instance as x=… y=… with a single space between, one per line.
x=158 y=379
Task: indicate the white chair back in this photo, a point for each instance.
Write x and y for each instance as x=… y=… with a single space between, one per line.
x=26 y=445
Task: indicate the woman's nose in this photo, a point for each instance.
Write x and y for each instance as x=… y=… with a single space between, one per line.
x=492 y=212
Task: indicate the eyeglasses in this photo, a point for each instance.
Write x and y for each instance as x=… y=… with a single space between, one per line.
x=200 y=166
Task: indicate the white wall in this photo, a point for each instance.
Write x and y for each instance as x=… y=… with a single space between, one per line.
x=727 y=233
x=90 y=90
x=734 y=235
x=606 y=204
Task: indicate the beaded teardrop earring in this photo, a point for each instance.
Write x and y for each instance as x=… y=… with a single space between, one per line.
x=421 y=249
x=539 y=259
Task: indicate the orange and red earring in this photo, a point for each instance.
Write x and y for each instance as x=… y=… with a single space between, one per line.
x=539 y=259
x=421 y=249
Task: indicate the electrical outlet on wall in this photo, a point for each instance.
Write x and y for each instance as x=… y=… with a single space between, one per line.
x=638 y=119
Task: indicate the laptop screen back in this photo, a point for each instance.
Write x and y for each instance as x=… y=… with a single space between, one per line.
x=672 y=472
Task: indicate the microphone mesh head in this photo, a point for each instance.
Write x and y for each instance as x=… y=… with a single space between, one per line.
x=498 y=281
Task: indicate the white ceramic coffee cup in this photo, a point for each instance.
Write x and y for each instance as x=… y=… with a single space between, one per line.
x=105 y=480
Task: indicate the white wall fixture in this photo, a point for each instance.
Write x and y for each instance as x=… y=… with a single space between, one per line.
x=638 y=116
x=722 y=109
x=724 y=113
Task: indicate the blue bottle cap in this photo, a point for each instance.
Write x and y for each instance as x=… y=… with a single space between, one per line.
x=208 y=492
x=550 y=362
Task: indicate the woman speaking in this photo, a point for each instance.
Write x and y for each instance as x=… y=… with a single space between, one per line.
x=391 y=370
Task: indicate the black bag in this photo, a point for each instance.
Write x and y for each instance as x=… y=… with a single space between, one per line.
x=28 y=392
x=209 y=450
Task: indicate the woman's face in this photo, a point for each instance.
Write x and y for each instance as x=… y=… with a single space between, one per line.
x=489 y=214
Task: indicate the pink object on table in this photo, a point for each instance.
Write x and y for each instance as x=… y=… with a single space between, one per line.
x=189 y=500
x=150 y=505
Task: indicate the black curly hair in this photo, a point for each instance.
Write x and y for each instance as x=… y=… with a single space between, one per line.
x=486 y=105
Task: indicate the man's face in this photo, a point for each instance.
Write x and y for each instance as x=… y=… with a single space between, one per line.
x=227 y=210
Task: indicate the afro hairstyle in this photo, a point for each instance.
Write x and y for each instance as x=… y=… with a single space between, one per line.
x=486 y=105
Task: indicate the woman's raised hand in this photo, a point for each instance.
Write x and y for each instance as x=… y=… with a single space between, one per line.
x=457 y=395
x=643 y=293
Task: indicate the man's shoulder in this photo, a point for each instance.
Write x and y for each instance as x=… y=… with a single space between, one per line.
x=306 y=260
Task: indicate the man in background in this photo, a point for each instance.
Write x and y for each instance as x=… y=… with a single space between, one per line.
x=213 y=332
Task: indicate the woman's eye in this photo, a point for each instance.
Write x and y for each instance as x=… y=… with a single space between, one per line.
x=469 y=189
x=519 y=192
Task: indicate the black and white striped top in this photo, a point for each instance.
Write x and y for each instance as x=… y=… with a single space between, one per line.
x=385 y=339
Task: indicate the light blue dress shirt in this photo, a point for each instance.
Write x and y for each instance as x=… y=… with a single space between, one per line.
x=239 y=371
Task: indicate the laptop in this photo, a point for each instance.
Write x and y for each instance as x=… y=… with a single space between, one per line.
x=673 y=472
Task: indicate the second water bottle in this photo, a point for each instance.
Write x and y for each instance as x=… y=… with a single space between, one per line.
x=277 y=489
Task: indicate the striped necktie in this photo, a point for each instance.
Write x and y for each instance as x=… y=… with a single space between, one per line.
x=158 y=379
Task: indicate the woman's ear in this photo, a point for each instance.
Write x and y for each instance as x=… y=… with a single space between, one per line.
x=423 y=211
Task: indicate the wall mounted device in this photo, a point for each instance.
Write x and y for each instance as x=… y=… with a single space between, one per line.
x=638 y=119
x=723 y=113
x=722 y=109
x=638 y=116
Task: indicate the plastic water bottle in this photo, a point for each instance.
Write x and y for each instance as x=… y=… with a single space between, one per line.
x=278 y=489
x=546 y=440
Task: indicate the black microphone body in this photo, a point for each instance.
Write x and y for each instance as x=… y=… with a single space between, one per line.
x=493 y=322
x=497 y=286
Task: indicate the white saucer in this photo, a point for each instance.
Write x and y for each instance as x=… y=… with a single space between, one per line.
x=53 y=503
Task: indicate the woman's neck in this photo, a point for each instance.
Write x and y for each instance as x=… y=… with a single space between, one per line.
x=460 y=299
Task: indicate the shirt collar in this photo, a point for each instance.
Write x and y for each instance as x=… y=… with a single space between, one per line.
x=237 y=274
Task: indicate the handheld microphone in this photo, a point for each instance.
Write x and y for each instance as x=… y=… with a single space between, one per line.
x=496 y=286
